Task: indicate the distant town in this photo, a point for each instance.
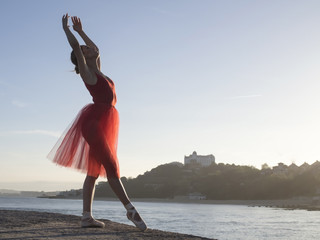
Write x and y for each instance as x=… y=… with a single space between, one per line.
x=201 y=178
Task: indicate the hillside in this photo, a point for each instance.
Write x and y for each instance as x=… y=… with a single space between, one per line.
x=222 y=182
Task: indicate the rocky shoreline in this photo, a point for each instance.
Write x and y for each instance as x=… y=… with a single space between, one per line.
x=42 y=225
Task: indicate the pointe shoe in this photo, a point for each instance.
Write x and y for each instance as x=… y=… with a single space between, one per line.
x=91 y=223
x=131 y=213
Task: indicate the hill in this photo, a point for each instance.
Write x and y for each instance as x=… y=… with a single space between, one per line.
x=222 y=182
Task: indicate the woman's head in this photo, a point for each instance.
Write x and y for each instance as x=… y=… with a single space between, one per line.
x=89 y=53
x=75 y=62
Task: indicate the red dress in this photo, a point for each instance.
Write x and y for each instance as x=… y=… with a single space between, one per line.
x=90 y=144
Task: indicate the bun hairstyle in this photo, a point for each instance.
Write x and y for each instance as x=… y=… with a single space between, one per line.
x=75 y=62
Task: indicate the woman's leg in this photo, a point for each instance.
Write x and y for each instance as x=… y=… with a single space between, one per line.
x=104 y=155
x=117 y=187
x=88 y=193
x=132 y=214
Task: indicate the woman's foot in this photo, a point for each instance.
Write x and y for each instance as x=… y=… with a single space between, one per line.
x=87 y=221
x=133 y=215
x=90 y=222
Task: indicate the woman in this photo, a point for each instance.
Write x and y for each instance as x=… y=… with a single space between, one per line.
x=90 y=144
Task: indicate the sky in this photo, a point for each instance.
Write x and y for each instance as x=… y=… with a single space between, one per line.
x=236 y=79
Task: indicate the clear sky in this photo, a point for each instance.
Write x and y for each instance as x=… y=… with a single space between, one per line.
x=236 y=79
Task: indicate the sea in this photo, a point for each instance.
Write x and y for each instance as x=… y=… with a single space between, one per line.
x=217 y=221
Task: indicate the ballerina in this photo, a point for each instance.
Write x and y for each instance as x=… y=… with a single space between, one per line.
x=90 y=144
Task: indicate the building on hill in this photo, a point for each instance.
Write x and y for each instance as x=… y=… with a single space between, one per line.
x=305 y=166
x=316 y=164
x=194 y=158
x=281 y=169
x=293 y=169
x=293 y=166
x=196 y=196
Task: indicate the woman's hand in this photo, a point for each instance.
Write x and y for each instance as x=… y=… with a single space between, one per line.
x=71 y=38
x=77 y=26
x=65 y=21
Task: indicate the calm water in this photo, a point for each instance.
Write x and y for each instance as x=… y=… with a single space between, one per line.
x=223 y=222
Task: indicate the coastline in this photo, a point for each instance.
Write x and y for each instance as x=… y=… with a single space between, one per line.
x=306 y=203
x=16 y=224
x=303 y=203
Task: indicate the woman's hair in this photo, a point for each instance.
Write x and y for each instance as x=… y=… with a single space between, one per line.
x=75 y=62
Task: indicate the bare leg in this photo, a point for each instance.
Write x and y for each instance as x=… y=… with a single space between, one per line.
x=88 y=193
x=118 y=189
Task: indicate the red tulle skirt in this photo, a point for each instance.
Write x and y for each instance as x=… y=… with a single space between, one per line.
x=90 y=143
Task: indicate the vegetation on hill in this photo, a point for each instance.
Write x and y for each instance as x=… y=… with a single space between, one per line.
x=222 y=181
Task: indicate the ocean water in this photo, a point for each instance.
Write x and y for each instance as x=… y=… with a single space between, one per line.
x=223 y=222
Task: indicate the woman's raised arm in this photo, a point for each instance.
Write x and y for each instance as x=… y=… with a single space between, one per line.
x=77 y=26
x=83 y=68
x=71 y=38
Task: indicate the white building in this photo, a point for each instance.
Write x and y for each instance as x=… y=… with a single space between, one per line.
x=204 y=161
x=197 y=196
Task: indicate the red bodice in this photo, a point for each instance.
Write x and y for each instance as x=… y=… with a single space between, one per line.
x=103 y=91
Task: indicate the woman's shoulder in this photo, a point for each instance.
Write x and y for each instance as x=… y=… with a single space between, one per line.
x=105 y=77
x=89 y=79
